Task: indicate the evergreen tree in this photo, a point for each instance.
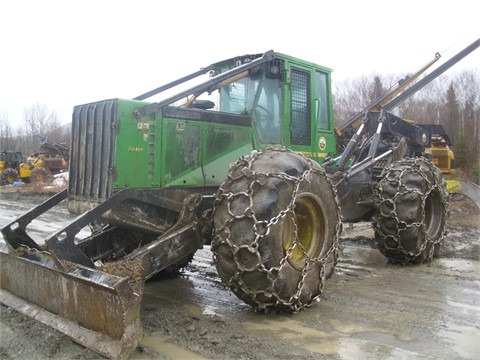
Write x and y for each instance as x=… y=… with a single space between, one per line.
x=377 y=89
x=451 y=114
x=461 y=151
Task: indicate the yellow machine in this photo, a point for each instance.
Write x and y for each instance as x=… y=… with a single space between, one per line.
x=51 y=159
x=442 y=155
x=13 y=168
x=444 y=158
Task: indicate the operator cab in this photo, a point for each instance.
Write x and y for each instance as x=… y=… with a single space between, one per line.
x=288 y=101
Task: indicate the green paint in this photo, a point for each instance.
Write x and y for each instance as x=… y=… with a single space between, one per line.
x=178 y=146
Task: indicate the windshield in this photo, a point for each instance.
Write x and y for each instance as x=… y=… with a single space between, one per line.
x=259 y=97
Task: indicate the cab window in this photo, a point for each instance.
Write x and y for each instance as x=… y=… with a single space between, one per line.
x=321 y=110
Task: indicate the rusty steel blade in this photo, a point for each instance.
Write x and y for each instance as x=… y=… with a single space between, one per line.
x=96 y=309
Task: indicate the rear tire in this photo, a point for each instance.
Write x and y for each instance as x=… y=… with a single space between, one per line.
x=411 y=209
x=276 y=230
x=9 y=176
x=39 y=175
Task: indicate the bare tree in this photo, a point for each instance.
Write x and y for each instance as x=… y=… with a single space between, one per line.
x=468 y=85
x=6 y=134
x=38 y=120
x=424 y=106
x=452 y=101
x=350 y=97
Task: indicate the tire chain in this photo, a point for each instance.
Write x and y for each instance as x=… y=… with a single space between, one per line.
x=401 y=188
x=245 y=165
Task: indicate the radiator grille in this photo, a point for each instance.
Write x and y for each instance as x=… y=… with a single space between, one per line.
x=92 y=150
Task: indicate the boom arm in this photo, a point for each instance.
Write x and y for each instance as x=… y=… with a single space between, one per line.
x=53 y=145
x=434 y=74
x=402 y=92
x=377 y=104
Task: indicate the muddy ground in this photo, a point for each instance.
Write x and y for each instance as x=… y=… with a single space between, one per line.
x=370 y=309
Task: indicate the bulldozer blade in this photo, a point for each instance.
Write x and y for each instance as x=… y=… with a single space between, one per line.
x=98 y=310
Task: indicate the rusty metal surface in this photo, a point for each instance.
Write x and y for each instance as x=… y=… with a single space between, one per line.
x=167 y=250
x=98 y=310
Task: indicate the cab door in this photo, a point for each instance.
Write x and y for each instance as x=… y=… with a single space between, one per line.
x=298 y=98
x=308 y=112
x=324 y=138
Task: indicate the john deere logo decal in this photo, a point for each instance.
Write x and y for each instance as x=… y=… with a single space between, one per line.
x=322 y=143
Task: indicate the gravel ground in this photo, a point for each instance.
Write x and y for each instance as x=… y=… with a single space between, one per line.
x=369 y=309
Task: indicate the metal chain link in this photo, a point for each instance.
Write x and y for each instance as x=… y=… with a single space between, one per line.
x=402 y=188
x=243 y=168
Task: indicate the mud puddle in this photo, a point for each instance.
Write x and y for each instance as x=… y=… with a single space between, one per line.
x=46 y=224
x=370 y=309
x=374 y=310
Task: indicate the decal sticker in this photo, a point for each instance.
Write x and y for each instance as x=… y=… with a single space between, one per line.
x=134 y=148
x=142 y=125
x=180 y=126
x=322 y=143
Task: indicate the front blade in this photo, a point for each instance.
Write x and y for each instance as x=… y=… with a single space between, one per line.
x=98 y=310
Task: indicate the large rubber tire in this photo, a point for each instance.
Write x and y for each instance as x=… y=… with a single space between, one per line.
x=411 y=210
x=39 y=175
x=276 y=230
x=9 y=176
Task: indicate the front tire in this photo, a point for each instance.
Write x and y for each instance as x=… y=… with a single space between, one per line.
x=411 y=209
x=9 y=176
x=276 y=230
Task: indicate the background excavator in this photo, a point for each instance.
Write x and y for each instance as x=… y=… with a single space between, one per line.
x=444 y=158
x=257 y=170
x=50 y=159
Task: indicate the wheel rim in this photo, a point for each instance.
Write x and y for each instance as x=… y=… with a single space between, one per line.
x=310 y=229
x=433 y=215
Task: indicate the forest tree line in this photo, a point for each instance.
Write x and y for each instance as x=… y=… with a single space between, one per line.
x=450 y=100
x=38 y=119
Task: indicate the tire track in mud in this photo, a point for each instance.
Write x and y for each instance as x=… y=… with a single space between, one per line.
x=370 y=309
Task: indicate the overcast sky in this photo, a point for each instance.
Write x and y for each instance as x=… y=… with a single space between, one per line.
x=64 y=53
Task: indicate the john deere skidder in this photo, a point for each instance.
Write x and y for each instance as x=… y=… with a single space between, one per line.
x=247 y=160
